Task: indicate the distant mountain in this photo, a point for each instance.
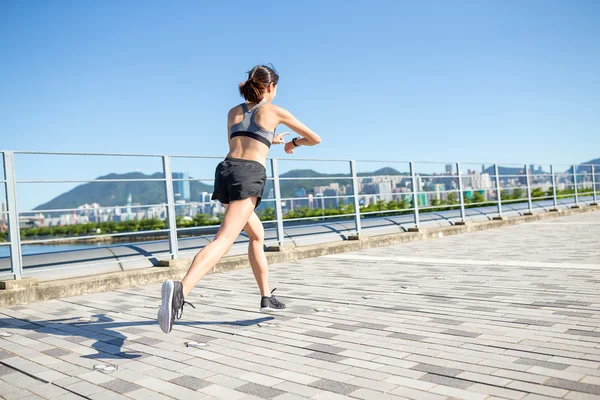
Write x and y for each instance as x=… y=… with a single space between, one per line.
x=109 y=194
x=588 y=168
x=383 y=171
x=288 y=187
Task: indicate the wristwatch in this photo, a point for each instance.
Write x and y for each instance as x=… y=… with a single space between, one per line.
x=294 y=142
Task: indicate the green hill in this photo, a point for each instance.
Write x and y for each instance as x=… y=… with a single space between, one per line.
x=109 y=194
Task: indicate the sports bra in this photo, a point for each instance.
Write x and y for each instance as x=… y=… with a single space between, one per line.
x=249 y=128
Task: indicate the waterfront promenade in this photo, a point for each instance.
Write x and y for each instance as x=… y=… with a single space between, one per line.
x=507 y=313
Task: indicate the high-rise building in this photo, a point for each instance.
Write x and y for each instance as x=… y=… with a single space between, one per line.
x=181 y=188
x=332 y=201
x=384 y=190
x=301 y=202
x=449 y=169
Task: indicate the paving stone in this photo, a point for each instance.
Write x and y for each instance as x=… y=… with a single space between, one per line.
x=325 y=356
x=438 y=370
x=120 y=386
x=261 y=391
x=85 y=388
x=320 y=334
x=456 y=332
x=190 y=382
x=447 y=381
x=545 y=364
x=57 y=352
x=570 y=385
x=334 y=386
x=325 y=348
x=407 y=336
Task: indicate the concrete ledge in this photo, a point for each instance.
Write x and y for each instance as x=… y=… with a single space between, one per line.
x=179 y=263
x=278 y=248
x=28 y=291
x=14 y=284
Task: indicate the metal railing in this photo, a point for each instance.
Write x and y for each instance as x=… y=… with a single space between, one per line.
x=412 y=192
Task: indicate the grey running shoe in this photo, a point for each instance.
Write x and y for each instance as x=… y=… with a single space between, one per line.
x=271 y=303
x=172 y=304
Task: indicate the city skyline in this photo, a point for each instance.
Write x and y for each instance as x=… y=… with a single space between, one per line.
x=433 y=189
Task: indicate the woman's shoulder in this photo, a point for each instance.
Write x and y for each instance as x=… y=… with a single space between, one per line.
x=274 y=108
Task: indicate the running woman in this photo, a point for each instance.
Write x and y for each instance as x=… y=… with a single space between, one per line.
x=239 y=185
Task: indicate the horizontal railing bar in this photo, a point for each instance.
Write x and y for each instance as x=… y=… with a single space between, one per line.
x=522 y=200
x=192 y=179
x=324 y=234
x=386 y=211
x=195 y=156
x=541 y=198
x=4 y=243
x=89 y=209
x=191 y=228
x=490 y=203
x=313 y=159
x=404 y=175
x=457 y=205
x=62 y=239
x=317 y=217
x=315 y=178
x=435 y=191
x=316 y=197
x=469 y=189
x=52 y=153
x=94 y=180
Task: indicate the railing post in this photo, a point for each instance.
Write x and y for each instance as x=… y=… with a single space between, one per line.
x=554 y=199
x=498 y=192
x=462 y=196
x=528 y=181
x=595 y=202
x=14 y=235
x=171 y=214
x=575 y=187
x=278 y=209
x=355 y=191
x=415 y=192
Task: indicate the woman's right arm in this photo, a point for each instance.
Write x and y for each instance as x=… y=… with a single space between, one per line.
x=309 y=138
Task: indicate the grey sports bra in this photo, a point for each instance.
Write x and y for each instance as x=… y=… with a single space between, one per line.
x=249 y=128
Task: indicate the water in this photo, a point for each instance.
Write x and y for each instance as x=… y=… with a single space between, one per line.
x=28 y=249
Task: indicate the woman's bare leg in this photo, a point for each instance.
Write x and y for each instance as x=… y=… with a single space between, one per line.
x=235 y=219
x=256 y=253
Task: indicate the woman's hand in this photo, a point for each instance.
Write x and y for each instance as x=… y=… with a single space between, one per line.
x=289 y=147
x=278 y=139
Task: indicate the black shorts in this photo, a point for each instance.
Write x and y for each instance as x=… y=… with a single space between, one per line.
x=238 y=179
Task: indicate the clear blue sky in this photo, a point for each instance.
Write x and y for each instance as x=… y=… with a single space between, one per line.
x=509 y=81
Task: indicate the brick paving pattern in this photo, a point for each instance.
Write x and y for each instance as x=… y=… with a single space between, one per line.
x=511 y=313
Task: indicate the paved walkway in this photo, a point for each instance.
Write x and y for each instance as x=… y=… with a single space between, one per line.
x=509 y=313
